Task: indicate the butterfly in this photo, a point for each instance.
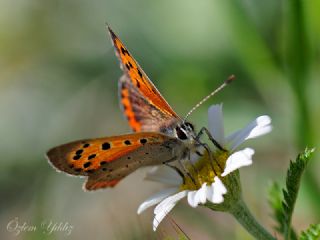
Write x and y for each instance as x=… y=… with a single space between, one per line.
x=159 y=135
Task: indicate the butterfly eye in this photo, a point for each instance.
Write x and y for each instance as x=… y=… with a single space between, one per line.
x=181 y=133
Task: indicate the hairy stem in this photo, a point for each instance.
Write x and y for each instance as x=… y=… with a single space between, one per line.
x=243 y=215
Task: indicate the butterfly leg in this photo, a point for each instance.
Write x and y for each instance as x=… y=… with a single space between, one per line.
x=205 y=130
x=208 y=150
x=176 y=169
x=199 y=153
x=186 y=171
x=191 y=163
x=182 y=171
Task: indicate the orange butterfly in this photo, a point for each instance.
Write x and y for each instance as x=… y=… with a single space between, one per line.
x=161 y=136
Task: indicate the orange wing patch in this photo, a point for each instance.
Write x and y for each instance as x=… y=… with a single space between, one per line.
x=128 y=110
x=94 y=185
x=138 y=78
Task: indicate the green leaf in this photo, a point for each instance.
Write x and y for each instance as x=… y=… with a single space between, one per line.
x=290 y=194
x=283 y=205
x=275 y=201
x=312 y=233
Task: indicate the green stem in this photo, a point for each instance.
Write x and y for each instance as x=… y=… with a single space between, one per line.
x=243 y=215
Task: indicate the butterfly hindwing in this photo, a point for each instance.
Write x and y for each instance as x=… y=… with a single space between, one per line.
x=107 y=160
x=135 y=79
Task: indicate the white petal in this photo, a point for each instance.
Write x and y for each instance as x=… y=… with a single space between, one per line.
x=216 y=191
x=216 y=127
x=174 y=198
x=237 y=160
x=191 y=198
x=164 y=174
x=202 y=193
x=165 y=207
x=259 y=127
x=156 y=198
x=209 y=192
x=263 y=127
x=198 y=196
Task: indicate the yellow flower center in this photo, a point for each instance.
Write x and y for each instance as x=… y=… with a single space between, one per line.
x=204 y=170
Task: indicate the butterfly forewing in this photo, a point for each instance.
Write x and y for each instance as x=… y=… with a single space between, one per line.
x=107 y=160
x=141 y=115
x=135 y=78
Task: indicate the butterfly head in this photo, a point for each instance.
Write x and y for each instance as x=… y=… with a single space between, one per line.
x=185 y=132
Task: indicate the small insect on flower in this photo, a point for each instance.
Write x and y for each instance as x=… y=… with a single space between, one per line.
x=207 y=180
x=157 y=130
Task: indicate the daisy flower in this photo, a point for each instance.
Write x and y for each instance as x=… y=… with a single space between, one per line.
x=209 y=180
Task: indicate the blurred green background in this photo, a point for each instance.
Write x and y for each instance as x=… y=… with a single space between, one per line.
x=58 y=82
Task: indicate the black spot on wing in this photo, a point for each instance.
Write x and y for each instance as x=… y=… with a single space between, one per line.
x=124 y=51
x=78 y=152
x=106 y=146
x=138 y=83
x=76 y=157
x=87 y=164
x=127 y=66
x=143 y=140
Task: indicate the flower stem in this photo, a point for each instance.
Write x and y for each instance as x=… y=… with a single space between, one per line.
x=243 y=215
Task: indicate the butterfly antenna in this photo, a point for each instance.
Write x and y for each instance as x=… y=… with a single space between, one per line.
x=223 y=85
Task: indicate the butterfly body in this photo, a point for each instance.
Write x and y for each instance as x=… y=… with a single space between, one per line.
x=160 y=135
